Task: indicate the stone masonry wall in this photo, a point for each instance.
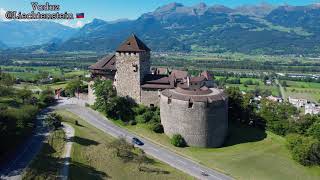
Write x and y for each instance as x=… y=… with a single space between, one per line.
x=149 y=97
x=200 y=125
x=131 y=68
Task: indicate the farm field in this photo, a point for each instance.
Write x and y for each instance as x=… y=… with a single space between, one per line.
x=306 y=90
x=247 y=88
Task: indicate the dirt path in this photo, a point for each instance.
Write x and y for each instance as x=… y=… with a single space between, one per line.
x=67 y=151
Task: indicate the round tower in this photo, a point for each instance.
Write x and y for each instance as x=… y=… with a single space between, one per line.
x=199 y=115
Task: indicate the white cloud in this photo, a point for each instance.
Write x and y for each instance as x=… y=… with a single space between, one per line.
x=73 y=23
x=3 y=15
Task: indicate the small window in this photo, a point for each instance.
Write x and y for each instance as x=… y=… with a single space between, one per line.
x=190 y=104
x=169 y=100
x=151 y=105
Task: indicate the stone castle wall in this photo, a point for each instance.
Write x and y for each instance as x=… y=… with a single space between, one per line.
x=131 y=68
x=200 y=125
x=149 y=97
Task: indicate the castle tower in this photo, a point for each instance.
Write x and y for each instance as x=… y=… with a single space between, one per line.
x=132 y=64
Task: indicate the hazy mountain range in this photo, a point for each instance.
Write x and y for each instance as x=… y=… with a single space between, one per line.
x=174 y=27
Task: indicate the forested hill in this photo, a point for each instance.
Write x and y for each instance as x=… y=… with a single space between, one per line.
x=259 y=29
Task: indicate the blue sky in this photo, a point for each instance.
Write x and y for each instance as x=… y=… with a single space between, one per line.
x=118 y=9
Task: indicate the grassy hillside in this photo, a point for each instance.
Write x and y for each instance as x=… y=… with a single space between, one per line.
x=92 y=159
x=248 y=154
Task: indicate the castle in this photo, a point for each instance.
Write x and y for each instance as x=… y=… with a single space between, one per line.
x=189 y=106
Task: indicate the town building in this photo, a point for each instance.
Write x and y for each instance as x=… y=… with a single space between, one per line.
x=189 y=105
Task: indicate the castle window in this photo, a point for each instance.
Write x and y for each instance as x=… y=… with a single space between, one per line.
x=151 y=105
x=190 y=104
x=169 y=100
x=135 y=67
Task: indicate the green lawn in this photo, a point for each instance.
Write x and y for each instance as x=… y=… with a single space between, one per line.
x=92 y=159
x=47 y=163
x=248 y=154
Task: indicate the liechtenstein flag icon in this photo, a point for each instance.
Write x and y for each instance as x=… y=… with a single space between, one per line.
x=80 y=15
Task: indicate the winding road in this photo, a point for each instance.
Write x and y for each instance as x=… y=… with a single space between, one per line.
x=182 y=163
x=27 y=151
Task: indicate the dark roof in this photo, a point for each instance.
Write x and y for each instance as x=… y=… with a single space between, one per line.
x=133 y=44
x=106 y=63
x=157 y=81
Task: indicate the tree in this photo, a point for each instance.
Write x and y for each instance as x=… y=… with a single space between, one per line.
x=141 y=158
x=73 y=87
x=104 y=91
x=53 y=120
x=314 y=130
x=277 y=115
x=122 y=148
x=305 y=150
x=120 y=108
x=47 y=97
x=24 y=94
x=178 y=141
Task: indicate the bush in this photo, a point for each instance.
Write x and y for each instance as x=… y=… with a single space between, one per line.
x=140 y=109
x=148 y=115
x=305 y=150
x=46 y=98
x=314 y=130
x=178 y=141
x=140 y=119
x=54 y=120
x=156 y=127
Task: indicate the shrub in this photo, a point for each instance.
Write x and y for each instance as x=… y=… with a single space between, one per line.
x=140 y=109
x=156 y=127
x=314 y=130
x=140 y=119
x=54 y=120
x=148 y=115
x=305 y=150
x=132 y=122
x=178 y=141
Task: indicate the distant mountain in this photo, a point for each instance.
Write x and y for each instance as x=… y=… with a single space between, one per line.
x=2 y=45
x=22 y=33
x=306 y=17
x=260 y=29
x=259 y=10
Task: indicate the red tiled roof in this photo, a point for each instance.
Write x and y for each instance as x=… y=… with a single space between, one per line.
x=133 y=44
x=207 y=75
x=179 y=74
x=197 y=79
x=106 y=63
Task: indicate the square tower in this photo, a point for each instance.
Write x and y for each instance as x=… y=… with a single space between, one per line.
x=132 y=64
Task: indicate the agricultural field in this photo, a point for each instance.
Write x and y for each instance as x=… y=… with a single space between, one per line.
x=306 y=90
x=258 y=84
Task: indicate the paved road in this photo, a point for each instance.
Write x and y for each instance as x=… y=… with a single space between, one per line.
x=173 y=159
x=27 y=151
x=283 y=95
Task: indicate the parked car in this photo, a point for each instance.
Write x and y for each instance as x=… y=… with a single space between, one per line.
x=137 y=141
